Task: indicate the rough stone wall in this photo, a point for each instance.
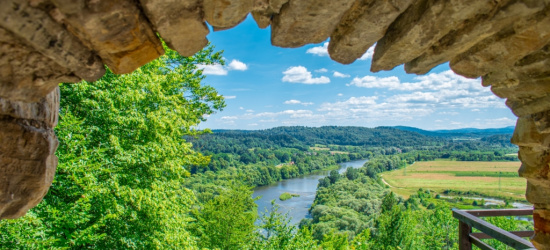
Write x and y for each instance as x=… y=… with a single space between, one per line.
x=44 y=42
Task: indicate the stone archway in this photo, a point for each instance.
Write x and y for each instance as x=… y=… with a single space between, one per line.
x=44 y=42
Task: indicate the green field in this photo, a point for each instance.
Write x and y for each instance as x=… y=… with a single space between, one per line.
x=480 y=177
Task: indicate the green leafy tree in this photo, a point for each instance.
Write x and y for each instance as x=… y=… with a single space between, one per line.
x=122 y=160
x=335 y=241
x=227 y=221
x=277 y=229
x=362 y=241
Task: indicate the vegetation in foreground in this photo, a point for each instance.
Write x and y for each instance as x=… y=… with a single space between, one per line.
x=122 y=161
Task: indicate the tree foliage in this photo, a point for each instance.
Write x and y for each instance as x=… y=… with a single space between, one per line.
x=122 y=160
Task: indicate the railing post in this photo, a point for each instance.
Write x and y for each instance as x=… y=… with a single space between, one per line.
x=464 y=231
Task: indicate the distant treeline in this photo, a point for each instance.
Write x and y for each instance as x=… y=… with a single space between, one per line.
x=294 y=149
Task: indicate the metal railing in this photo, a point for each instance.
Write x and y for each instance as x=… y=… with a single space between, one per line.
x=468 y=219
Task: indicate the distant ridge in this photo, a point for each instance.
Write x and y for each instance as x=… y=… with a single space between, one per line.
x=460 y=132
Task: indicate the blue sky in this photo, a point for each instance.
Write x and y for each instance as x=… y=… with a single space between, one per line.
x=267 y=86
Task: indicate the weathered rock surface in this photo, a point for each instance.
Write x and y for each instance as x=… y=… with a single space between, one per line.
x=506 y=47
x=422 y=25
x=26 y=74
x=116 y=30
x=179 y=23
x=27 y=153
x=471 y=32
x=226 y=14
x=306 y=21
x=362 y=25
x=32 y=44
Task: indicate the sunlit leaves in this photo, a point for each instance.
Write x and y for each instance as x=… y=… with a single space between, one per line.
x=123 y=159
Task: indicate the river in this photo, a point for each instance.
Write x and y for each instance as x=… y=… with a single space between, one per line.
x=305 y=186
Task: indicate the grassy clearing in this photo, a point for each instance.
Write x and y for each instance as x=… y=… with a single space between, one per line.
x=339 y=152
x=481 y=177
x=319 y=148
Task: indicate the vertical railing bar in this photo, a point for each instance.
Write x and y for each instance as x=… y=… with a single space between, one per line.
x=464 y=231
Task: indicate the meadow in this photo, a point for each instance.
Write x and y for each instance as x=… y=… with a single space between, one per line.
x=491 y=179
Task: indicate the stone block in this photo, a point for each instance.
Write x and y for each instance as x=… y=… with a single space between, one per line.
x=306 y=21
x=262 y=18
x=23 y=183
x=26 y=171
x=506 y=47
x=45 y=110
x=538 y=191
x=526 y=133
x=523 y=90
x=38 y=53
x=25 y=74
x=471 y=32
x=179 y=23
x=226 y=14
x=361 y=26
x=535 y=162
x=27 y=153
x=424 y=23
x=542 y=121
x=118 y=31
x=528 y=106
x=541 y=240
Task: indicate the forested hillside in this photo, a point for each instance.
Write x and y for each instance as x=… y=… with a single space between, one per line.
x=301 y=137
x=232 y=148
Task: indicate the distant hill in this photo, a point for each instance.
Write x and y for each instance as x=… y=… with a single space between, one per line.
x=461 y=133
x=299 y=136
x=505 y=130
x=239 y=142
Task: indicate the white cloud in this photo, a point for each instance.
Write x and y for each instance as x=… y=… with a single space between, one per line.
x=299 y=74
x=391 y=82
x=368 y=54
x=298 y=102
x=446 y=89
x=230 y=120
x=341 y=75
x=351 y=103
x=449 y=113
x=416 y=97
x=218 y=69
x=503 y=120
x=369 y=109
x=237 y=65
x=319 y=50
x=228 y=97
x=340 y=94
x=321 y=70
x=214 y=69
